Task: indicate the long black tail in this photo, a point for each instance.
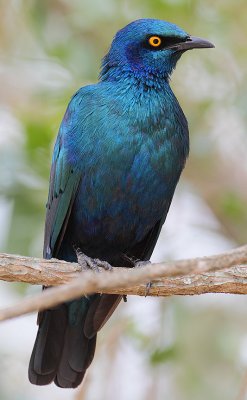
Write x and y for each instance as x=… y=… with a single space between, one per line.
x=66 y=340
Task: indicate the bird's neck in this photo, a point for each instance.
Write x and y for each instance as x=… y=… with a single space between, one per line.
x=148 y=96
x=143 y=78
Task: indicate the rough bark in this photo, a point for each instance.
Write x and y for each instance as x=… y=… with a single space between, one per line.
x=223 y=273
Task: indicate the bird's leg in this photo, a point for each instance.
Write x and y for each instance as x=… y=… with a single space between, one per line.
x=93 y=264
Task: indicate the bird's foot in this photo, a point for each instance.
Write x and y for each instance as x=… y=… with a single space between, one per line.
x=148 y=287
x=93 y=264
x=140 y=264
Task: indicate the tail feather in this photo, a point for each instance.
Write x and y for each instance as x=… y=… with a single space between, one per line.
x=66 y=340
x=40 y=380
x=48 y=346
x=61 y=382
x=36 y=378
x=99 y=312
x=77 y=351
x=90 y=351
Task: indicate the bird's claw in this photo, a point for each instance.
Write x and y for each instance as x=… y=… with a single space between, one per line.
x=148 y=287
x=140 y=263
x=93 y=264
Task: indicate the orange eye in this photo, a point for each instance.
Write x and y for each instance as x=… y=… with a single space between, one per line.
x=154 y=41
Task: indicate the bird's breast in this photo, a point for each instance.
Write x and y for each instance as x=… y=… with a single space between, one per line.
x=130 y=149
x=127 y=187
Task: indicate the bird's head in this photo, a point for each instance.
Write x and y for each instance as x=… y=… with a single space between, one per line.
x=149 y=47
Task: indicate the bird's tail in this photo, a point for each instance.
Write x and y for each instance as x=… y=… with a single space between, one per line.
x=66 y=340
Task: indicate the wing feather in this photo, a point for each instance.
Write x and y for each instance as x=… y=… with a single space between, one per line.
x=64 y=181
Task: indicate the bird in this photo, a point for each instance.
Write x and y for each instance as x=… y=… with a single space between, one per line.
x=118 y=156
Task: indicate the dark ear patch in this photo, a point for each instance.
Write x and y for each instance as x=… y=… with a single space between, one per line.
x=164 y=42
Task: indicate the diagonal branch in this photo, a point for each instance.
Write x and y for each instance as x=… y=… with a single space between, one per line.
x=223 y=273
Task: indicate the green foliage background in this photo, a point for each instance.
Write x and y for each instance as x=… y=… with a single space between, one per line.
x=47 y=50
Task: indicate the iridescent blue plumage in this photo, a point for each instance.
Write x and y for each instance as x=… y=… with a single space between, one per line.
x=121 y=148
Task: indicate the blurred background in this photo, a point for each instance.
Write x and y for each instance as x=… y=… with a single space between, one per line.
x=180 y=348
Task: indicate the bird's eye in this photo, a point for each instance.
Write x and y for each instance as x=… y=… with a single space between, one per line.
x=155 y=41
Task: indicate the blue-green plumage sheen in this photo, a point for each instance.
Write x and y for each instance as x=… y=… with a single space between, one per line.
x=121 y=148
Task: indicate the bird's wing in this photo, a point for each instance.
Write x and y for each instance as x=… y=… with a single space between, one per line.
x=64 y=181
x=144 y=249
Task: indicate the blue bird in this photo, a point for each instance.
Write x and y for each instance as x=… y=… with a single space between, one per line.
x=119 y=153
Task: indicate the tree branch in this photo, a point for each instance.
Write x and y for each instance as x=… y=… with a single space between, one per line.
x=223 y=273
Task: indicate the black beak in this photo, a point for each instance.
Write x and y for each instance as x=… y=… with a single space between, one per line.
x=192 y=42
